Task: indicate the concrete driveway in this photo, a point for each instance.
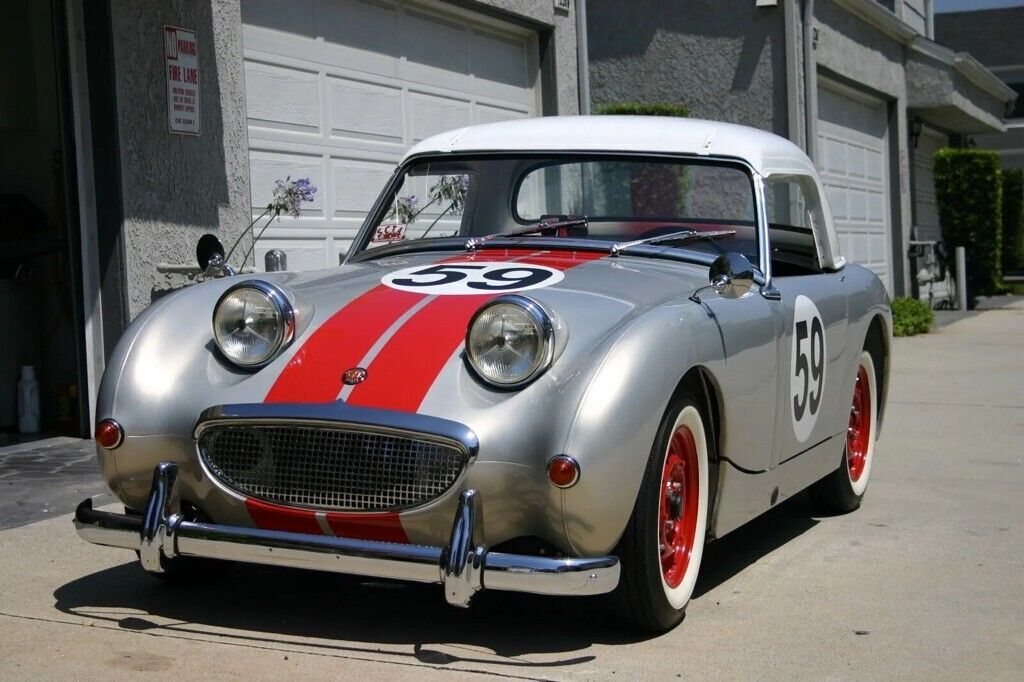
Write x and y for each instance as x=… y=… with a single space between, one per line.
x=925 y=581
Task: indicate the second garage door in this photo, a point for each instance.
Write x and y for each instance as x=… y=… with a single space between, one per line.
x=337 y=90
x=853 y=160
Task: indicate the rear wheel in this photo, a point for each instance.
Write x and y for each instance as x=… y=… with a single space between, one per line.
x=843 y=489
x=662 y=547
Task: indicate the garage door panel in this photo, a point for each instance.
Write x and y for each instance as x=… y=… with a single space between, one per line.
x=283 y=97
x=432 y=114
x=491 y=114
x=423 y=34
x=499 y=59
x=365 y=110
x=356 y=185
x=368 y=26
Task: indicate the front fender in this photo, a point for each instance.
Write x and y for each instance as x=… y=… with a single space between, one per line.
x=617 y=419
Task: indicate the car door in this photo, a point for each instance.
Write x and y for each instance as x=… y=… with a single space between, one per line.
x=812 y=319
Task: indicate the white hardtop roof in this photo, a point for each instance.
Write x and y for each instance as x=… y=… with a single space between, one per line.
x=767 y=153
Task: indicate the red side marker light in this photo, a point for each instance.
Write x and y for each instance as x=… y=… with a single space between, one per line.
x=563 y=471
x=109 y=434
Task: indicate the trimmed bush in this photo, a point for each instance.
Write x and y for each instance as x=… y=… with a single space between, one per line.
x=911 y=316
x=644 y=109
x=968 y=190
x=1013 y=220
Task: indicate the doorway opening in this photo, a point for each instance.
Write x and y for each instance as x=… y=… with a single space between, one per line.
x=41 y=320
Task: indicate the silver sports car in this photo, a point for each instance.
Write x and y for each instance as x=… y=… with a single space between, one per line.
x=561 y=355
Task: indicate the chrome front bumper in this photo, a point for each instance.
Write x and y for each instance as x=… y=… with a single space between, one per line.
x=464 y=567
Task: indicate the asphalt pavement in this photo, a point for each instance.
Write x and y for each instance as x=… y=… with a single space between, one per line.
x=925 y=581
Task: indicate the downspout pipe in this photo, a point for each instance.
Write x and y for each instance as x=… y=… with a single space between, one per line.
x=810 y=82
x=582 y=58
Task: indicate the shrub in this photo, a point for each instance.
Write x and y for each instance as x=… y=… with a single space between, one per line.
x=968 y=191
x=1013 y=220
x=911 y=316
x=644 y=109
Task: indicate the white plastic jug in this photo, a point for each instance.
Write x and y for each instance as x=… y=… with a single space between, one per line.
x=28 y=401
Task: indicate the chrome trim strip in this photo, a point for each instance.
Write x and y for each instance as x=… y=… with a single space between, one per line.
x=343 y=414
x=464 y=567
x=764 y=252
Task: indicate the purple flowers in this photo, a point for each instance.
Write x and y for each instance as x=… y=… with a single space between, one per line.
x=289 y=195
x=405 y=208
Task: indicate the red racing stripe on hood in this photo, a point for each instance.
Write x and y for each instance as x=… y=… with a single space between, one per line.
x=313 y=375
x=409 y=364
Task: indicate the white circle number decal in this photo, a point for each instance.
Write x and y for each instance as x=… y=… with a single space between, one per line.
x=460 y=279
x=807 y=375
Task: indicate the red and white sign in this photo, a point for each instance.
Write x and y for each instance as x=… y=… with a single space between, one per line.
x=389 y=232
x=182 y=68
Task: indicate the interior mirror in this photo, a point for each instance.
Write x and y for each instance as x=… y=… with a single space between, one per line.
x=731 y=275
x=210 y=256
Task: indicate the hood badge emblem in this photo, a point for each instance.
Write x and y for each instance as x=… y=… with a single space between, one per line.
x=356 y=375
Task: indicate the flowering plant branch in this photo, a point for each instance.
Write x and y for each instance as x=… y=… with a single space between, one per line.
x=287 y=197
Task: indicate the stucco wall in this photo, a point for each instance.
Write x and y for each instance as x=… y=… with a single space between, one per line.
x=176 y=187
x=565 y=89
x=723 y=63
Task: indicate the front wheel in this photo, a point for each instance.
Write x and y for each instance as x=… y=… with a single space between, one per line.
x=843 y=489
x=664 y=541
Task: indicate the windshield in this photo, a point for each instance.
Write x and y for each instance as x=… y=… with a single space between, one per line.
x=622 y=198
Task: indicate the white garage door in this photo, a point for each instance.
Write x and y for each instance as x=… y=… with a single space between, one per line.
x=337 y=90
x=853 y=160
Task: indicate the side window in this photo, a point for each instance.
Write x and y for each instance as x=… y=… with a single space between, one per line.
x=792 y=207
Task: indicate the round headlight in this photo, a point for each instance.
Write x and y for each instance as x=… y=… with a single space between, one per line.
x=252 y=322
x=509 y=341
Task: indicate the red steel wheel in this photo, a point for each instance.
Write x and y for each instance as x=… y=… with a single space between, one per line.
x=858 y=434
x=680 y=490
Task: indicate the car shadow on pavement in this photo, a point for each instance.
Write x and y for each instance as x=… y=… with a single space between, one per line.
x=271 y=607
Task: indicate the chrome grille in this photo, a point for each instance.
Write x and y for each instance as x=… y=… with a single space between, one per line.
x=330 y=467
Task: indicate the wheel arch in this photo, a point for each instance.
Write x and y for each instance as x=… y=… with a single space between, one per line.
x=877 y=341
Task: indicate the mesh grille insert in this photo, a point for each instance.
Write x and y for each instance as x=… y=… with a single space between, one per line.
x=330 y=467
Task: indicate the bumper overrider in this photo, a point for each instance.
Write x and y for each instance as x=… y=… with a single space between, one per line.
x=463 y=567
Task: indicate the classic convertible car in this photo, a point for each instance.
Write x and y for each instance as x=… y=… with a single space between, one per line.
x=561 y=355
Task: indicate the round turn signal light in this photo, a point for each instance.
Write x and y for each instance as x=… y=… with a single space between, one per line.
x=563 y=471
x=109 y=434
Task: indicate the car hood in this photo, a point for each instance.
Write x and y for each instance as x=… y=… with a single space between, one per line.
x=406 y=338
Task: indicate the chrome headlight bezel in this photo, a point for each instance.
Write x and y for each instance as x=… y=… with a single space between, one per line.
x=285 y=315
x=546 y=333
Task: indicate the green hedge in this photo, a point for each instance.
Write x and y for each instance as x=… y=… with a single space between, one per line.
x=644 y=109
x=968 y=191
x=1013 y=220
x=911 y=316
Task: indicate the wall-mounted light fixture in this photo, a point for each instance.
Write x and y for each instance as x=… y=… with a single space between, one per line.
x=916 y=126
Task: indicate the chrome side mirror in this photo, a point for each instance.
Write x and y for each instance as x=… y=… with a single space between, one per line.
x=210 y=255
x=731 y=275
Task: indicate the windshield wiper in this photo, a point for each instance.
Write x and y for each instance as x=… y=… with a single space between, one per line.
x=681 y=236
x=557 y=225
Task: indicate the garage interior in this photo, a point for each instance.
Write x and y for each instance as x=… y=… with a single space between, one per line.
x=40 y=316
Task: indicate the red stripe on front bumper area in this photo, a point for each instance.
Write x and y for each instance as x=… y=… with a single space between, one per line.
x=274 y=517
x=385 y=527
